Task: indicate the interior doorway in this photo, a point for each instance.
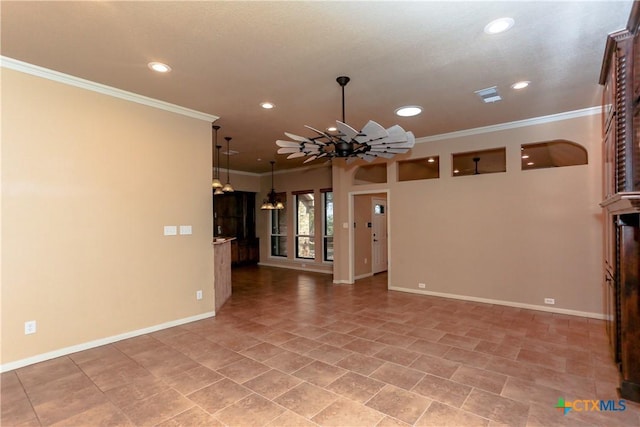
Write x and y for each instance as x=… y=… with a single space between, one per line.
x=379 y=258
x=369 y=240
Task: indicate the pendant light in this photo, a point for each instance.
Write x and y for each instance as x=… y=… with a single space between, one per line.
x=272 y=201
x=215 y=183
x=227 y=187
x=218 y=189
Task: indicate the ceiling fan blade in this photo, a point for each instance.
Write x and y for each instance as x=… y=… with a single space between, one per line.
x=405 y=144
x=287 y=150
x=319 y=132
x=411 y=138
x=297 y=137
x=372 y=132
x=389 y=150
x=295 y=155
x=348 y=132
x=282 y=143
x=395 y=134
x=367 y=157
x=384 y=155
x=310 y=159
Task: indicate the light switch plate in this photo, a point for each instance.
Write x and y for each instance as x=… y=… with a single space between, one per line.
x=185 y=229
x=170 y=230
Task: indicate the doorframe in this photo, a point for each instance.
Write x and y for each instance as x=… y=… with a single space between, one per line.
x=351 y=215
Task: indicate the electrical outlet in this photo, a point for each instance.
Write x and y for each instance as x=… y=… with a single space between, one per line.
x=422 y=285
x=198 y=294
x=366 y=260
x=550 y=301
x=30 y=327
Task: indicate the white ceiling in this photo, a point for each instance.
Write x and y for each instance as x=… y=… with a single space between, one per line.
x=227 y=57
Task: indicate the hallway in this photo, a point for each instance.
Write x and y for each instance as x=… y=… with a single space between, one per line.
x=289 y=348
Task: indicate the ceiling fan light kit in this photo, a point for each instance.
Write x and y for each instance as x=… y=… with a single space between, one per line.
x=370 y=143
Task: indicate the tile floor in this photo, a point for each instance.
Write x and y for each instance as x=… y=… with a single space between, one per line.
x=291 y=349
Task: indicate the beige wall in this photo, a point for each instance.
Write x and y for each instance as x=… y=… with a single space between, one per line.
x=88 y=182
x=314 y=178
x=516 y=237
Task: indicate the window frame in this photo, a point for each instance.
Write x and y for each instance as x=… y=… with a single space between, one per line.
x=275 y=215
x=325 y=234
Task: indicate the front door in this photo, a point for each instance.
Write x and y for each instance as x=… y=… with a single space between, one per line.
x=379 y=235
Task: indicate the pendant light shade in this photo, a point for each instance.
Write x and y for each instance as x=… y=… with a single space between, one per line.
x=227 y=188
x=272 y=201
x=215 y=183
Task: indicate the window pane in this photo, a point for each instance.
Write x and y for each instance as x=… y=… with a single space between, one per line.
x=305 y=217
x=328 y=214
x=305 y=247
x=328 y=248
x=411 y=170
x=552 y=154
x=279 y=246
x=480 y=162
x=279 y=221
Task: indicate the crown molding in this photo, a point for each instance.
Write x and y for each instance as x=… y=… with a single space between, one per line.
x=45 y=73
x=514 y=125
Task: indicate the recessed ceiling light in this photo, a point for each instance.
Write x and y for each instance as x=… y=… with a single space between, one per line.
x=159 y=67
x=525 y=156
x=431 y=160
x=499 y=25
x=456 y=171
x=267 y=105
x=530 y=164
x=408 y=111
x=332 y=129
x=520 y=85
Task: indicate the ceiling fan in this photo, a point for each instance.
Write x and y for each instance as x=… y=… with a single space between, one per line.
x=372 y=142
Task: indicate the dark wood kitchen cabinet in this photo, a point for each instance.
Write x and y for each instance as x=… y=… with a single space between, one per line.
x=234 y=215
x=620 y=76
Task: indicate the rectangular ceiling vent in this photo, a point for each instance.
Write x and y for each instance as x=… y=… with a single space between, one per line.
x=489 y=94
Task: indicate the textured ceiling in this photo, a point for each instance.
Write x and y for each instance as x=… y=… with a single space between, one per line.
x=227 y=57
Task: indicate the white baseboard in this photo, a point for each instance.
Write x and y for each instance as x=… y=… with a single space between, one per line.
x=588 y=314
x=294 y=267
x=99 y=342
x=362 y=276
x=342 y=282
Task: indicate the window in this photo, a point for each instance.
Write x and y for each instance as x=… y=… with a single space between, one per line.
x=279 y=229
x=552 y=154
x=411 y=170
x=480 y=162
x=327 y=233
x=305 y=225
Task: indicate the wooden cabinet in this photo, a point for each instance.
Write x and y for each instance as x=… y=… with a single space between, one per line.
x=234 y=215
x=620 y=76
x=246 y=251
